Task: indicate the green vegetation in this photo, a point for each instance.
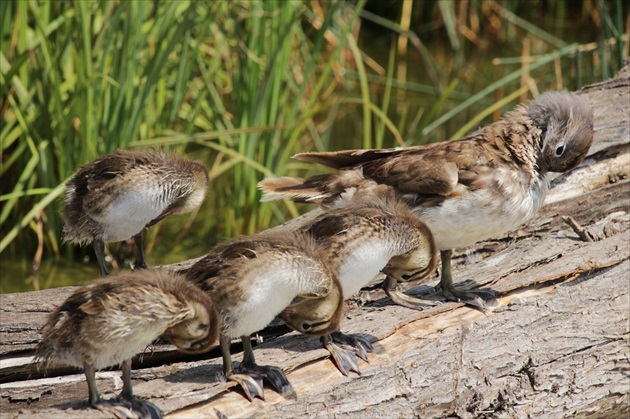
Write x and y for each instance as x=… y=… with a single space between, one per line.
x=243 y=85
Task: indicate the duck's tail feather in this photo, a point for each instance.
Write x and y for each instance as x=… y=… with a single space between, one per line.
x=311 y=190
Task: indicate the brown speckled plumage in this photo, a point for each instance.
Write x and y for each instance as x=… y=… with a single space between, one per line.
x=468 y=190
x=251 y=280
x=116 y=196
x=375 y=232
x=109 y=320
x=232 y=271
x=380 y=224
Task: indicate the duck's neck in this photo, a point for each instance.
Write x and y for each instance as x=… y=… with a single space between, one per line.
x=521 y=135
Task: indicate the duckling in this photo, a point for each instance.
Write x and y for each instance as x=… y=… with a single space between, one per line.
x=109 y=320
x=251 y=280
x=377 y=232
x=116 y=196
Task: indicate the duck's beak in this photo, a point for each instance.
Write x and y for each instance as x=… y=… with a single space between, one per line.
x=191 y=347
x=284 y=314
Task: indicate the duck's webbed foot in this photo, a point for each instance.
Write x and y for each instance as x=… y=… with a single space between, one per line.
x=129 y=408
x=146 y=409
x=251 y=383
x=274 y=375
x=345 y=349
x=481 y=298
x=125 y=405
x=359 y=345
x=390 y=287
x=250 y=375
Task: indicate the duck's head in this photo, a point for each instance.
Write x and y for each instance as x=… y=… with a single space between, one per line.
x=417 y=263
x=566 y=122
x=199 y=332
x=197 y=186
x=316 y=316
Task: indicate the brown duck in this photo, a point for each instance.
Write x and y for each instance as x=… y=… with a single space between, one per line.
x=109 y=320
x=253 y=279
x=376 y=232
x=469 y=190
x=116 y=196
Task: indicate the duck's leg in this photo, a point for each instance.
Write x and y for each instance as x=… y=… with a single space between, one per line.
x=274 y=375
x=140 y=262
x=125 y=405
x=478 y=298
x=142 y=408
x=99 y=250
x=390 y=287
x=90 y=375
x=344 y=349
x=251 y=384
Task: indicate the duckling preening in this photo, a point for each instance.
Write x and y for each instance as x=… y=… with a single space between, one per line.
x=253 y=279
x=465 y=191
x=107 y=321
x=114 y=197
x=376 y=232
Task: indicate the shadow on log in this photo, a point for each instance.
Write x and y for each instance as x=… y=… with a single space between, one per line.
x=558 y=344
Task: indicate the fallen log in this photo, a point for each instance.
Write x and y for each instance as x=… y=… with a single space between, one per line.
x=557 y=345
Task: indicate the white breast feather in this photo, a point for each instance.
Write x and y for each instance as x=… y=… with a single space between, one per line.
x=472 y=217
x=267 y=295
x=129 y=214
x=362 y=265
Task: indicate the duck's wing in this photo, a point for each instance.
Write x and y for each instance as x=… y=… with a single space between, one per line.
x=135 y=301
x=97 y=184
x=429 y=172
x=223 y=269
x=106 y=168
x=350 y=158
x=417 y=173
x=223 y=261
x=334 y=223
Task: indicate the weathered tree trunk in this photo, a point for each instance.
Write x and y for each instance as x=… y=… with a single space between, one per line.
x=558 y=344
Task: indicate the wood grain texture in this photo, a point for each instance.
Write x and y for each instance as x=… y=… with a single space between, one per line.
x=558 y=344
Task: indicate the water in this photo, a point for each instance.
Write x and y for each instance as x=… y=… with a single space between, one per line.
x=52 y=274
x=162 y=246
x=17 y=276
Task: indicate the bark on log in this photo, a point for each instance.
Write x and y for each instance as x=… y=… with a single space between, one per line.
x=558 y=344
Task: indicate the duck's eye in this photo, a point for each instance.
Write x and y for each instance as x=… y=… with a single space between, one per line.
x=406 y=277
x=306 y=326
x=202 y=327
x=559 y=150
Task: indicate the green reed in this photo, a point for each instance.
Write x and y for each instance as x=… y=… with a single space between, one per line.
x=243 y=85
x=82 y=79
